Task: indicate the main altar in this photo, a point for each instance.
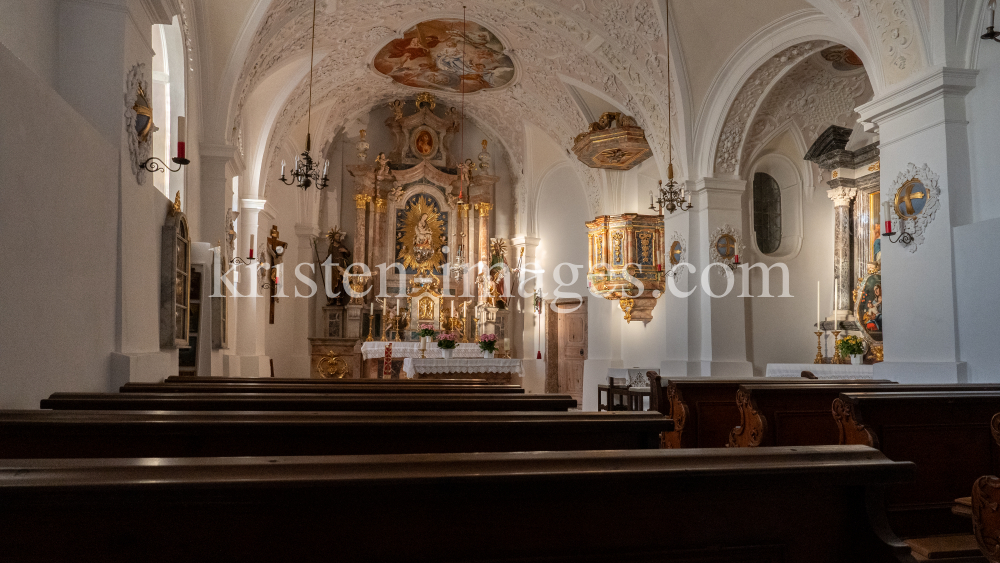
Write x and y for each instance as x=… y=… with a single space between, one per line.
x=423 y=233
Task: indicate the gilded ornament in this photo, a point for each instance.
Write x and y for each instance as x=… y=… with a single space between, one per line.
x=362 y=200
x=419 y=241
x=333 y=366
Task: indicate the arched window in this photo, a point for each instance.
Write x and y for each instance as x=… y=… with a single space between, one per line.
x=168 y=100
x=766 y=212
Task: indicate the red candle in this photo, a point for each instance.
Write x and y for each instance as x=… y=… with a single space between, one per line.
x=181 y=136
x=888 y=227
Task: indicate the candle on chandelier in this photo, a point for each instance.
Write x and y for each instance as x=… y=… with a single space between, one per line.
x=282 y=168
x=181 y=136
x=326 y=168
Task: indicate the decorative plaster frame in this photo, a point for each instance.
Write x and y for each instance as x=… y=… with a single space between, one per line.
x=139 y=152
x=917 y=225
x=676 y=237
x=713 y=253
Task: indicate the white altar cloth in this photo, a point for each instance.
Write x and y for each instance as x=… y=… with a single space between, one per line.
x=822 y=371
x=376 y=350
x=415 y=366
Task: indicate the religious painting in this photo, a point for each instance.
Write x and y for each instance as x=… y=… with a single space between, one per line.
x=875 y=225
x=447 y=55
x=869 y=306
x=424 y=142
x=421 y=232
x=426 y=309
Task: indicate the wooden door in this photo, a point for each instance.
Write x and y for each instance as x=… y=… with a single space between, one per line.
x=572 y=350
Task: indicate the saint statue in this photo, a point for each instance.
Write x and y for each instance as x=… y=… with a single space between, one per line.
x=382 y=171
x=422 y=239
x=338 y=254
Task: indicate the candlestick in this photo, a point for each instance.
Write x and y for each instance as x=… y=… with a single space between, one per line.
x=819 y=347
x=837 y=358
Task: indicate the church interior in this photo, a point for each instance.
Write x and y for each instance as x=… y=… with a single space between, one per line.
x=500 y=280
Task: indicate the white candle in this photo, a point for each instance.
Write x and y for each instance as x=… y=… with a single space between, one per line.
x=836 y=295
x=817 y=306
x=453 y=308
x=464 y=308
x=397 y=306
x=326 y=168
x=282 y=168
x=372 y=311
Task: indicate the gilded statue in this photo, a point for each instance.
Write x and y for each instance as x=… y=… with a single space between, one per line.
x=421 y=236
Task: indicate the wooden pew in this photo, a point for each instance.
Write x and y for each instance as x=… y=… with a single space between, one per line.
x=946 y=434
x=703 y=409
x=94 y=434
x=306 y=402
x=984 y=505
x=796 y=415
x=309 y=381
x=341 y=389
x=685 y=506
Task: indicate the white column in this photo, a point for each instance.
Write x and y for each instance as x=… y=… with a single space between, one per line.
x=251 y=306
x=529 y=345
x=922 y=121
x=716 y=326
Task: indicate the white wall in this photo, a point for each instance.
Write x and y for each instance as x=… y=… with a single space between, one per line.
x=58 y=318
x=984 y=127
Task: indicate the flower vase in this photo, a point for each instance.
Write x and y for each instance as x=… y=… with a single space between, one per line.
x=857 y=359
x=446 y=353
x=488 y=355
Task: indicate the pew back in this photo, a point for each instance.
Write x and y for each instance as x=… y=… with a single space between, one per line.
x=279 y=388
x=307 y=402
x=431 y=508
x=946 y=433
x=311 y=381
x=95 y=434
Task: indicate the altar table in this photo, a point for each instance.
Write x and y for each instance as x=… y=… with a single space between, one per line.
x=497 y=370
x=376 y=350
x=822 y=371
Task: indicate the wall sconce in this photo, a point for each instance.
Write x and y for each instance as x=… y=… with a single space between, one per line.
x=991 y=33
x=154 y=164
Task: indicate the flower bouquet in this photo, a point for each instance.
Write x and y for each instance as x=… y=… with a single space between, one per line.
x=447 y=343
x=425 y=330
x=488 y=344
x=852 y=346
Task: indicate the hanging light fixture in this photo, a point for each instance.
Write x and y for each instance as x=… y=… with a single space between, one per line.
x=670 y=197
x=306 y=173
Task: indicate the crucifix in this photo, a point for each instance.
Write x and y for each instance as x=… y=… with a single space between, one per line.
x=276 y=249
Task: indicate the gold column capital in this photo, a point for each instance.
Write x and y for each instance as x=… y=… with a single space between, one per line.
x=362 y=200
x=484 y=209
x=381 y=204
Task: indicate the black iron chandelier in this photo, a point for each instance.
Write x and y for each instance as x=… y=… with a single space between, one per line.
x=306 y=173
x=670 y=198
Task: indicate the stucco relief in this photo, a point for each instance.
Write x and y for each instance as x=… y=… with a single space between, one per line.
x=547 y=39
x=729 y=147
x=813 y=96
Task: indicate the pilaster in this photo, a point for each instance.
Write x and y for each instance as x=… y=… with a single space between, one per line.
x=923 y=122
x=251 y=307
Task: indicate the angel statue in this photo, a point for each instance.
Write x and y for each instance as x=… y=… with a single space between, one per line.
x=382 y=171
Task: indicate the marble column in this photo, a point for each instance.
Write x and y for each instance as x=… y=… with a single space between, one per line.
x=362 y=201
x=484 y=241
x=843 y=271
x=251 y=306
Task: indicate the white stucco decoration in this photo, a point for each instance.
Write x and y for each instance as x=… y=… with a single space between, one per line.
x=713 y=252
x=139 y=152
x=682 y=257
x=916 y=226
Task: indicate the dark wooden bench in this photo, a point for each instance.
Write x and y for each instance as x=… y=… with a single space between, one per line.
x=985 y=506
x=306 y=402
x=341 y=389
x=796 y=415
x=94 y=434
x=703 y=409
x=300 y=380
x=945 y=433
x=688 y=506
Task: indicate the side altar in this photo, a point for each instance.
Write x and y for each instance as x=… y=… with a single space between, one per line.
x=424 y=235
